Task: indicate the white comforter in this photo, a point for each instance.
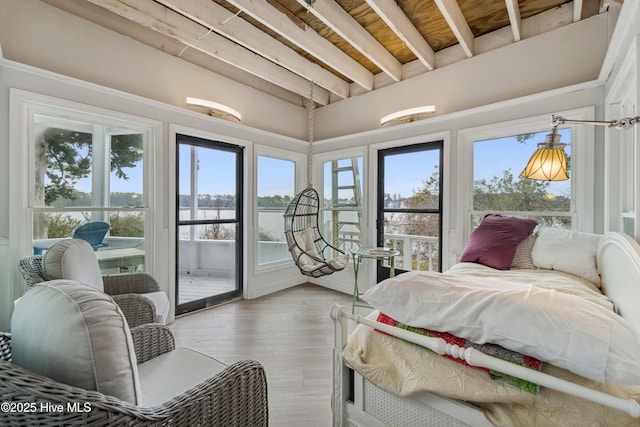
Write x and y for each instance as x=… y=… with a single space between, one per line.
x=548 y=279
x=403 y=369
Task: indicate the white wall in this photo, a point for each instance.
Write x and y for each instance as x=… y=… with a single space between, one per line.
x=37 y=34
x=622 y=170
x=43 y=36
x=563 y=57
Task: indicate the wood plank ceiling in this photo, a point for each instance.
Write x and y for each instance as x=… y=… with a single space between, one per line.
x=344 y=47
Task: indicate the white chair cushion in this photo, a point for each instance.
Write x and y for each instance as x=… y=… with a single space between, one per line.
x=171 y=374
x=339 y=262
x=161 y=301
x=73 y=259
x=305 y=241
x=76 y=335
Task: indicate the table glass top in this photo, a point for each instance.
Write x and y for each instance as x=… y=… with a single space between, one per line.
x=375 y=252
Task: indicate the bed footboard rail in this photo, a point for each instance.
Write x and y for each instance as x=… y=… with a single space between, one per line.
x=472 y=356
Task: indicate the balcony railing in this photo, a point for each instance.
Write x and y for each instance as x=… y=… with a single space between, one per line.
x=416 y=252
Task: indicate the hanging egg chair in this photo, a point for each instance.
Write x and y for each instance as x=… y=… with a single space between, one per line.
x=312 y=254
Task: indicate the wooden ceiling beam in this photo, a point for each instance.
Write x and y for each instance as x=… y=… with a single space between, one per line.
x=336 y=18
x=458 y=24
x=514 y=17
x=577 y=10
x=396 y=19
x=223 y=22
x=191 y=34
x=306 y=39
x=231 y=44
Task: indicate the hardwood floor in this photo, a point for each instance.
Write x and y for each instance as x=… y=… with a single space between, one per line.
x=191 y=288
x=290 y=333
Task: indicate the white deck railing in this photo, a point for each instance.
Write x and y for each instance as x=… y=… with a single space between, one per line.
x=416 y=252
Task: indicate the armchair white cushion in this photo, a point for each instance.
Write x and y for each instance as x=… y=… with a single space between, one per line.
x=76 y=335
x=66 y=332
x=173 y=373
x=74 y=259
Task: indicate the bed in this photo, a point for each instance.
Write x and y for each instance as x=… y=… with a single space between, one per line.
x=383 y=375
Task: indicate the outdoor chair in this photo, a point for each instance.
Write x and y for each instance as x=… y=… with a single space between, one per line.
x=137 y=294
x=87 y=368
x=94 y=233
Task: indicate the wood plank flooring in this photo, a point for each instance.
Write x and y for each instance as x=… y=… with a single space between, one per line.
x=290 y=332
x=191 y=288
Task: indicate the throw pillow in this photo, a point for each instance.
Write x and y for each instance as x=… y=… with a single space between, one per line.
x=568 y=251
x=494 y=242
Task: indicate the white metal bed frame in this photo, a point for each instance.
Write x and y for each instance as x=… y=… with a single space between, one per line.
x=357 y=402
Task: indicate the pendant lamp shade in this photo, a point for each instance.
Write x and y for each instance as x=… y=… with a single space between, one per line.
x=549 y=162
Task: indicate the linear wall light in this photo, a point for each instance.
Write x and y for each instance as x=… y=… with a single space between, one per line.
x=408 y=115
x=549 y=161
x=219 y=111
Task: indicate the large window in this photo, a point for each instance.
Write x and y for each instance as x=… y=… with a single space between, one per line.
x=87 y=169
x=499 y=188
x=342 y=204
x=276 y=187
x=491 y=158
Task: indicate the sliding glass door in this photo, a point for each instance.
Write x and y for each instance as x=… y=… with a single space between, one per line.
x=209 y=222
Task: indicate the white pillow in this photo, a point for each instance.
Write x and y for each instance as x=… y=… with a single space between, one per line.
x=73 y=259
x=568 y=251
x=562 y=329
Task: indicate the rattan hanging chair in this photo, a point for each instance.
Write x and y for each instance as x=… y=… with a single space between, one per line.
x=313 y=255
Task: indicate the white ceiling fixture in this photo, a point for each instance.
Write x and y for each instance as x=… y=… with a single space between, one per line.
x=219 y=111
x=408 y=115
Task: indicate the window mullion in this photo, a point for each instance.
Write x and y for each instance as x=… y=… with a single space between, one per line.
x=100 y=172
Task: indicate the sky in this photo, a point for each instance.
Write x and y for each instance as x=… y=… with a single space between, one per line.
x=491 y=157
x=404 y=173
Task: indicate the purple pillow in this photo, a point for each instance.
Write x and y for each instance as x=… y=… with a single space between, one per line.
x=494 y=242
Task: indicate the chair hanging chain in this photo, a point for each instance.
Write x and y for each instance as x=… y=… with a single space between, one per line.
x=310 y=108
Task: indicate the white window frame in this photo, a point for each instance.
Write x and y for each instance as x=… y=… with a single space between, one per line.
x=582 y=164
x=448 y=168
x=23 y=106
x=318 y=177
x=622 y=149
x=300 y=161
x=248 y=188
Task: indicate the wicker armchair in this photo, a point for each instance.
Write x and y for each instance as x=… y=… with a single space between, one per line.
x=234 y=396
x=127 y=290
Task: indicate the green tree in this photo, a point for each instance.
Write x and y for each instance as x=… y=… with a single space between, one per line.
x=64 y=162
x=65 y=156
x=507 y=193
x=420 y=224
x=500 y=193
x=63 y=225
x=424 y=224
x=126 y=224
